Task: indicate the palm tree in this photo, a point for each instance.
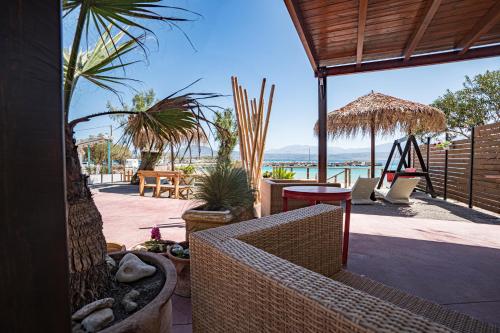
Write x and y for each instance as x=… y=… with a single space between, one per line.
x=152 y=143
x=118 y=25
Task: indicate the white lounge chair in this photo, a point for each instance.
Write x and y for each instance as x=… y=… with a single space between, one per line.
x=400 y=191
x=362 y=191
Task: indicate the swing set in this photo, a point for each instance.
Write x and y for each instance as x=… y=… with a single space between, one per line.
x=405 y=162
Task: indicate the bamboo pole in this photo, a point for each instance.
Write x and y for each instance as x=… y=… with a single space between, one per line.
x=237 y=106
x=243 y=125
x=253 y=124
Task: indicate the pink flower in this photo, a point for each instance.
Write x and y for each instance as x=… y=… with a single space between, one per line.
x=155 y=233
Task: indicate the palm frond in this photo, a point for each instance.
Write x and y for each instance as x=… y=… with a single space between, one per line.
x=123 y=14
x=98 y=64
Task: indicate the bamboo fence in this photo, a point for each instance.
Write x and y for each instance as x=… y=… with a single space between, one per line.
x=252 y=129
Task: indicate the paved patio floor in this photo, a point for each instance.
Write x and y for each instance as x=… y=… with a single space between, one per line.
x=437 y=250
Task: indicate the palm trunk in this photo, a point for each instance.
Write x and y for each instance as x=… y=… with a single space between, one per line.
x=148 y=162
x=86 y=243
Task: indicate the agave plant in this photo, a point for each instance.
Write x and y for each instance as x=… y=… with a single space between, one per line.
x=120 y=26
x=224 y=187
x=282 y=173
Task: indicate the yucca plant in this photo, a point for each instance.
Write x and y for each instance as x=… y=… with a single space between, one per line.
x=224 y=187
x=119 y=27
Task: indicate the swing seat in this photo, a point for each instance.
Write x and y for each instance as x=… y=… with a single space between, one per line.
x=390 y=174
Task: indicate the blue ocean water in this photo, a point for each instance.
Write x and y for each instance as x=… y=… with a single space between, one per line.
x=356 y=172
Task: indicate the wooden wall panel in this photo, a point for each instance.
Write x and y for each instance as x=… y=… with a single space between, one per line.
x=485 y=190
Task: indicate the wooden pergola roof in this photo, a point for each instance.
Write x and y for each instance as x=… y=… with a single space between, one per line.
x=350 y=36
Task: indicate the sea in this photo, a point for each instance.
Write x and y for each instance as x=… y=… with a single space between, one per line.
x=356 y=172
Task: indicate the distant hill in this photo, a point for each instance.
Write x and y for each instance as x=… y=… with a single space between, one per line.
x=301 y=153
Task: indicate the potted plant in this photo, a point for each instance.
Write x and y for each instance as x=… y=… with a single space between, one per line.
x=179 y=255
x=227 y=198
x=156 y=244
x=282 y=173
x=224 y=189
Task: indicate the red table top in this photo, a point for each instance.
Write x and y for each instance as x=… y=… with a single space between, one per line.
x=316 y=190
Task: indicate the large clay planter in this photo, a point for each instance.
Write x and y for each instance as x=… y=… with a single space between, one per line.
x=198 y=219
x=155 y=317
x=183 y=269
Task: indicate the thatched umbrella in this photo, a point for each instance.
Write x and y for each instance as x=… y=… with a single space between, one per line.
x=377 y=113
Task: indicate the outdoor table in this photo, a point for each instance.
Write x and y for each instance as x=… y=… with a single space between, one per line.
x=174 y=175
x=315 y=194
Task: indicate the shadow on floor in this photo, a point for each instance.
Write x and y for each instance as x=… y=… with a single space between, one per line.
x=423 y=206
x=462 y=277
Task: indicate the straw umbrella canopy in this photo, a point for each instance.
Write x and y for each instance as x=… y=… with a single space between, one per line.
x=376 y=113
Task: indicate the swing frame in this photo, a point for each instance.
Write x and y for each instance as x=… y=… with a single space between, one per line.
x=404 y=154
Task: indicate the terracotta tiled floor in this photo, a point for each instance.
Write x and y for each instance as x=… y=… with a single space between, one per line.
x=452 y=258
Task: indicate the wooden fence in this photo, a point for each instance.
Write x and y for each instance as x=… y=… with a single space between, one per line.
x=469 y=171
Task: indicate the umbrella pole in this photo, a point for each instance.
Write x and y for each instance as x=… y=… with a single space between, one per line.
x=372 y=151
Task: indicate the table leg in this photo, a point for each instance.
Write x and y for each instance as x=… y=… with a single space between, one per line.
x=158 y=187
x=176 y=187
x=345 y=247
x=141 y=185
x=285 y=204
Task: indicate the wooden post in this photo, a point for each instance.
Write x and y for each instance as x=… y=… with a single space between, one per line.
x=445 y=182
x=372 y=150
x=307 y=172
x=427 y=160
x=33 y=244
x=322 y=126
x=471 y=165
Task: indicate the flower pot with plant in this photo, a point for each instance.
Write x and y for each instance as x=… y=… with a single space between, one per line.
x=156 y=244
x=227 y=198
x=179 y=255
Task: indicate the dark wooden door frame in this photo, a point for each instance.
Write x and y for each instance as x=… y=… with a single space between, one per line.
x=33 y=246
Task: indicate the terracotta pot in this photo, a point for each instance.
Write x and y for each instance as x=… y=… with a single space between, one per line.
x=198 y=219
x=183 y=269
x=155 y=317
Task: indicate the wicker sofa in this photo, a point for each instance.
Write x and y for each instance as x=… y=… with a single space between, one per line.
x=283 y=273
x=271 y=190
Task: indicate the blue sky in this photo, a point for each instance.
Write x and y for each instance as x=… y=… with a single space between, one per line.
x=256 y=39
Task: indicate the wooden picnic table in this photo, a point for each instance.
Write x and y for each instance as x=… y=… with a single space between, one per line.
x=157 y=186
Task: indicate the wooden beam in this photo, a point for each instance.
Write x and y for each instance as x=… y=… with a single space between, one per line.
x=363 y=9
x=417 y=35
x=34 y=285
x=424 y=60
x=322 y=128
x=305 y=37
x=483 y=25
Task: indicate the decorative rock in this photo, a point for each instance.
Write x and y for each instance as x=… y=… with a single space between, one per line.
x=139 y=247
x=132 y=269
x=77 y=328
x=89 y=308
x=128 y=301
x=110 y=262
x=177 y=249
x=98 y=320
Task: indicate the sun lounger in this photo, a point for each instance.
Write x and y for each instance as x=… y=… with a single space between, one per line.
x=400 y=191
x=362 y=191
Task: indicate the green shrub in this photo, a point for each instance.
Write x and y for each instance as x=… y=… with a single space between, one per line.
x=282 y=173
x=224 y=187
x=188 y=169
x=267 y=174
